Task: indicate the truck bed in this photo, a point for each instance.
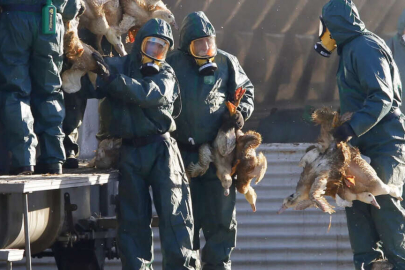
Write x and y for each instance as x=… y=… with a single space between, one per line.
x=71 y=178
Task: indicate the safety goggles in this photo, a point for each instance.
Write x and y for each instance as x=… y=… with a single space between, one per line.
x=205 y=47
x=322 y=27
x=155 y=48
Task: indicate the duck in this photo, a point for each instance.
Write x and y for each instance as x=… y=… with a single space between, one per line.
x=72 y=46
x=336 y=170
x=94 y=19
x=300 y=199
x=222 y=151
x=366 y=185
x=107 y=154
x=248 y=165
x=79 y=56
x=138 y=12
x=360 y=181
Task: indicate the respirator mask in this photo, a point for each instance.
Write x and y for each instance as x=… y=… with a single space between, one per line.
x=154 y=52
x=326 y=44
x=204 y=51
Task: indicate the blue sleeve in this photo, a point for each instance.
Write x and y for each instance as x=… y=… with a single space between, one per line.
x=374 y=74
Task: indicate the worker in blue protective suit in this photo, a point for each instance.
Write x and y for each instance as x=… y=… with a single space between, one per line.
x=141 y=88
x=31 y=101
x=397 y=46
x=208 y=78
x=370 y=87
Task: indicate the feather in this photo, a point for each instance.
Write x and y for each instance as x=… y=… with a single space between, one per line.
x=317 y=191
x=260 y=168
x=226 y=142
x=204 y=160
x=309 y=157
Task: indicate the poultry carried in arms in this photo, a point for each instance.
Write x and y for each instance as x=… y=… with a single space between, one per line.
x=337 y=170
x=222 y=151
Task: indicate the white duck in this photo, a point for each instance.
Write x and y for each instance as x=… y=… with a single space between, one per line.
x=137 y=13
x=94 y=19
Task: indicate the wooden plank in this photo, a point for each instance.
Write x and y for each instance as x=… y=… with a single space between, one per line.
x=32 y=183
x=11 y=255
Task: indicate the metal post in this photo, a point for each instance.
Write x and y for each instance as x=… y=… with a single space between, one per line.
x=9 y=265
x=26 y=232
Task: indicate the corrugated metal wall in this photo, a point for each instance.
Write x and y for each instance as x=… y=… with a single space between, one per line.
x=292 y=240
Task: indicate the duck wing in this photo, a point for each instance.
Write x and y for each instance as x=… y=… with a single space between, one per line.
x=225 y=142
x=318 y=190
x=312 y=153
x=205 y=157
x=304 y=205
x=260 y=168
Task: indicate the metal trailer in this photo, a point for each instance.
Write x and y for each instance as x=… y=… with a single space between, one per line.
x=72 y=214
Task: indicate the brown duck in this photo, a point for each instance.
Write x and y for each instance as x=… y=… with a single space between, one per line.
x=248 y=165
x=222 y=150
x=336 y=170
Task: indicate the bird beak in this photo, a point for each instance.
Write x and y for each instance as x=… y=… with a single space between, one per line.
x=375 y=203
x=120 y=49
x=253 y=207
x=282 y=209
x=174 y=24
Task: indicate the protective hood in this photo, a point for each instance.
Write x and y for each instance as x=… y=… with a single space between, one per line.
x=343 y=21
x=156 y=28
x=195 y=25
x=401 y=24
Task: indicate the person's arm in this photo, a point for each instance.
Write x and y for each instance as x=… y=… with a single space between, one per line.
x=146 y=92
x=238 y=78
x=374 y=75
x=88 y=90
x=69 y=9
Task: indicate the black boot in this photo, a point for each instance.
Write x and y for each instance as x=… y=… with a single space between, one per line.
x=51 y=168
x=25 y=170
x=71 y=163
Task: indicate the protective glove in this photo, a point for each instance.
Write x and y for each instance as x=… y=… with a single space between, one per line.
x=102 y=68
x=238 y=120
x=344 y=133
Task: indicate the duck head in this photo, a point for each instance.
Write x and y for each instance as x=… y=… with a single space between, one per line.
x=289 y=202
x=167 y=16
x=251 y=197
x=369 y=198
x=114 y=38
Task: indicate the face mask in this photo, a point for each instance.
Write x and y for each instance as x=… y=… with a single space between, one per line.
x=206 y=66
x=204 y=50
x=154 y=52
x=327 y=44
x=149 y=66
